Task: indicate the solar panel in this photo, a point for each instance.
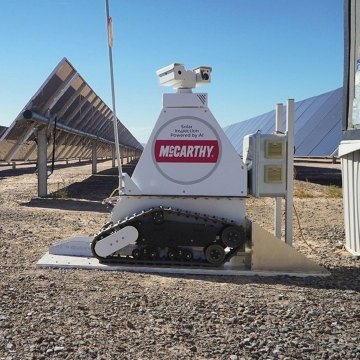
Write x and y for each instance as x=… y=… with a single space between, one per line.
x=318 y=122
x=74 y=116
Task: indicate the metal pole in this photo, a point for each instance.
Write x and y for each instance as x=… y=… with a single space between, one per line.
x=290 y=117
x=113 y=156
x=277 y=210
x=116 y=132
x=42 y=161
x=94 y=157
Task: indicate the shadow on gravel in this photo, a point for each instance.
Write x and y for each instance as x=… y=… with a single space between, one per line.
x=85 y=195
x=67 y=204
x=318 y=175
x=30 y=168
x=342 y=278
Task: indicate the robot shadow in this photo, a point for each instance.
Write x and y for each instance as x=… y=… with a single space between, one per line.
x=340 y=278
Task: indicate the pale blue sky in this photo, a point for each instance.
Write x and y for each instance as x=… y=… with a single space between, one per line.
x=262 y=51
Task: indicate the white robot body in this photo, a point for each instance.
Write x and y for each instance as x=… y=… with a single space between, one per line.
x=188 y=163
x=188 y=153
x=188 y=189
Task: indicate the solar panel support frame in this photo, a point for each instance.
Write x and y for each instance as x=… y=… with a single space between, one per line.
x=42 y=161
x=29 y=114
x=94 y=158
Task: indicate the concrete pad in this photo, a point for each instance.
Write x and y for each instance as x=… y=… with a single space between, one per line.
x=233 y=268
x=268 y=256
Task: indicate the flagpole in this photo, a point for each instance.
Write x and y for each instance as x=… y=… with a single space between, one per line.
x=116 y=133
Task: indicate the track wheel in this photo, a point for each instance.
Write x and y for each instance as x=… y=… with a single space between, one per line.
x=215 y=254
x=171 y=254
x=136 y=254
x=188 y=255
x=233 y=236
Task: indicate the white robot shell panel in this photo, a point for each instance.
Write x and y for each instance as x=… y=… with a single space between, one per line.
x=186 y=150
x=189 y=154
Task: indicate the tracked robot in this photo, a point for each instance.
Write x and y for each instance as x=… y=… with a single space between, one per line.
x=185 y=202
x=183 y=209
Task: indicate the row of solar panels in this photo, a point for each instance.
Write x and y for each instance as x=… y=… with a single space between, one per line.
x=75 y=117
x=318 y=125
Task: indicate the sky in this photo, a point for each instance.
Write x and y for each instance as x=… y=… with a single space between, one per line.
x=262 y=52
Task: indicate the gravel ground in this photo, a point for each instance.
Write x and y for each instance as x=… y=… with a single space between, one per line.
x=74 y=314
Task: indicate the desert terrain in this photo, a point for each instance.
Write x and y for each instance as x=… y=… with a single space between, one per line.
x=78 y=314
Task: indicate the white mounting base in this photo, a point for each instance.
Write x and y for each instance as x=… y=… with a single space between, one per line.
x=75 y=253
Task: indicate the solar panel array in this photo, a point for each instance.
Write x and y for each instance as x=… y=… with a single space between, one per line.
x=74 y=115
x=318 y=124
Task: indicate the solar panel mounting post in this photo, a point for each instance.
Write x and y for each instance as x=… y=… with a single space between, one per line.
x=94 y=157
x=113 y=156
x=42 y=161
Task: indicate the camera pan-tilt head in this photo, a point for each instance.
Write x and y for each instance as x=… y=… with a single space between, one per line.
x=183 y=80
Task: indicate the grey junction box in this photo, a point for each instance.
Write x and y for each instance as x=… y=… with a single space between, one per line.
x=265 y=157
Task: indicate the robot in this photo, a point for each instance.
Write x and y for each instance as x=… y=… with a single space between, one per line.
x=185 y=202
x=183 y=209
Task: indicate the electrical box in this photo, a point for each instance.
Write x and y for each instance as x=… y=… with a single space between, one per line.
x=265 y=158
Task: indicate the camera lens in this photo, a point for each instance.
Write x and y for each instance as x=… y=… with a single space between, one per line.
x=205 y=76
